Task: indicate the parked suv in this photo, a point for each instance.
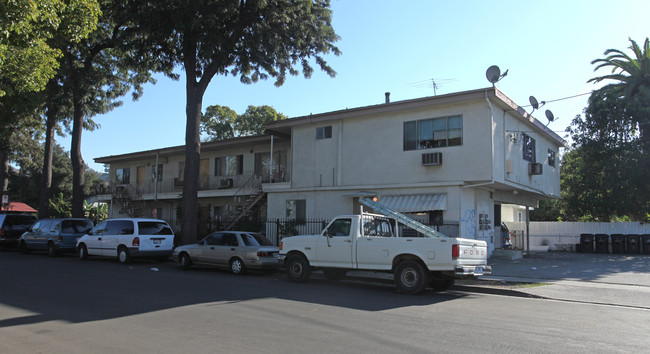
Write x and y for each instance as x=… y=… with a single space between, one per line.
x=127 y=238
x=55 y=235
x=12 y=226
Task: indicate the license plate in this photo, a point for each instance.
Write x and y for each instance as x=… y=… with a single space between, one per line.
x=156 y=241
x=478 y=270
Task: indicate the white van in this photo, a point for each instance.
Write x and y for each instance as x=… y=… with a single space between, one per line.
x=127 y=238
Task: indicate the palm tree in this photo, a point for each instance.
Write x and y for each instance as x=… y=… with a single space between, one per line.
x=633 y=82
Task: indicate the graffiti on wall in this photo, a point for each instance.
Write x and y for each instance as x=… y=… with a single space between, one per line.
x=468 y=223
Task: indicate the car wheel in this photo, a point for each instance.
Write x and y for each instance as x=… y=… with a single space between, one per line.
x=441 y=284
x=237 y=266
x=123 y=255
x=51 y=250
x=83 y=252
x=297 y=269
x=334 y=274
x=410 y=277
x=185 y=261
x=23 y=247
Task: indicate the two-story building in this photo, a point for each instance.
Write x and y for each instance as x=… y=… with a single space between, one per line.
x=450 y=160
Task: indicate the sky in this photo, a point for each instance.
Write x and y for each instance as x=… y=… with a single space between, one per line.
x=402 y=47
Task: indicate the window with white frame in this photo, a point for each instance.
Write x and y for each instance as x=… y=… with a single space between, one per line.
x=433 y=133
x=296 y=210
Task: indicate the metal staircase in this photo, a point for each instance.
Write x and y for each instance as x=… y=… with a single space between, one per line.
x=245 y=199
x=421 y=228
x=124 y=195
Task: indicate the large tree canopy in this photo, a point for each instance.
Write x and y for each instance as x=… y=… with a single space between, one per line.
x=220 y=122
x=631 y=76
x=251 y=39
x=27 y=61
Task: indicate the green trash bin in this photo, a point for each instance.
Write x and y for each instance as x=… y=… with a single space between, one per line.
x=633 y=244
x=587 y=243
x=618 y=243
x=602 y=243
x=645 y=243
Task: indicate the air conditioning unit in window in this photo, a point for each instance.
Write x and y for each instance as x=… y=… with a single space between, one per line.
x=432 y=159
x=226 y=183
x=534 y=168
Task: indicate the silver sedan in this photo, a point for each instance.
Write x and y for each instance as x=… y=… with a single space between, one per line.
x=234 y=250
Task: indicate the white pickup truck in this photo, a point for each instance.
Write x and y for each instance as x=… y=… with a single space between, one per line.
x=417 y=258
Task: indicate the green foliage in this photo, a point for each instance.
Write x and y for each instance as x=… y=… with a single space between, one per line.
x=220 y=122
x=27 y=60
x=97 y=212
x=60 y=207
x=604 y=175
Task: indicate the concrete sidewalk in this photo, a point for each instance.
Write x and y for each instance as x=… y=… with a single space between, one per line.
x=612 y=279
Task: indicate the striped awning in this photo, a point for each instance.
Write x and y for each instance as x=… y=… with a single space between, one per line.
x=415 y=202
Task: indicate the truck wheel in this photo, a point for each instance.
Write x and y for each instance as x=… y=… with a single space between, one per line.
x=441 y=284
x=334 y=274
x=298 y=269
x=410 y=277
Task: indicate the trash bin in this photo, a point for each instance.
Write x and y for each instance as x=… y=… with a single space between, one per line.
x=587 y=243
x=602 y=243
x=645 y=244
x=633 y=244
x=618 y=243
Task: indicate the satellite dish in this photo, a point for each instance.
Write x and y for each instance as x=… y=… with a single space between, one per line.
x=533 y=102
x=493 y=74
x=549 y=115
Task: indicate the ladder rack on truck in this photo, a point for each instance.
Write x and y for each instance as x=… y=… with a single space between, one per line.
x=419 y=227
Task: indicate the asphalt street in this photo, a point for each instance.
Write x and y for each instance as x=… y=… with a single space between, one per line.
x=64 y=305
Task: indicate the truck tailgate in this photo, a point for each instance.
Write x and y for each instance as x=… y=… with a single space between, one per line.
x=471 y=258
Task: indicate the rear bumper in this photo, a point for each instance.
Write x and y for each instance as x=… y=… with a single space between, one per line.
x=464 y=271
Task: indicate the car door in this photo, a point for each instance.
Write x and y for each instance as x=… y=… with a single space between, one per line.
x=205 y=250
x=224 y=250
x=43 y=235
x=93 y=240
x=31 y=235
x=117 y=232
x=334 y=247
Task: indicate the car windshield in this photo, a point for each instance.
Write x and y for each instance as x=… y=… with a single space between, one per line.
x=76 y=226
x=255 y=240
x=154 y=228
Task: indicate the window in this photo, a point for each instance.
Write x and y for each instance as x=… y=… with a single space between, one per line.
x=181 y=170
x=156 y=172
x=324 y=132
x=340 y=227
x=551 y=158
x=122 y=176
x=76 y=226
x=296 y=210
x=119 y=227
x=433 y=133
x=255 y=240
x=229 y=165
x=379 y=227
x=528 y=145
x=154 y=228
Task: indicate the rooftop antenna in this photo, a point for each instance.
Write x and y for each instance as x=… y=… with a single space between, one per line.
x=493 y=74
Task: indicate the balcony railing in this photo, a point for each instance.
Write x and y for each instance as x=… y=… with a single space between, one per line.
x=175 y=185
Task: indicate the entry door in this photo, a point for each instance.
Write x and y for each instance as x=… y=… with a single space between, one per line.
x=334 y=248
x=139 y=179
x=204 y=174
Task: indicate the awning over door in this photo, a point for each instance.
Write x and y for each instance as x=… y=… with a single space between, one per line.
x=415 y=202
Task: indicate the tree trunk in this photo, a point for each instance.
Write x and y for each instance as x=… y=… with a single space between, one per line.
x=4 y=168
x=46 y=174
x=75 y=155
x=189 y=225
